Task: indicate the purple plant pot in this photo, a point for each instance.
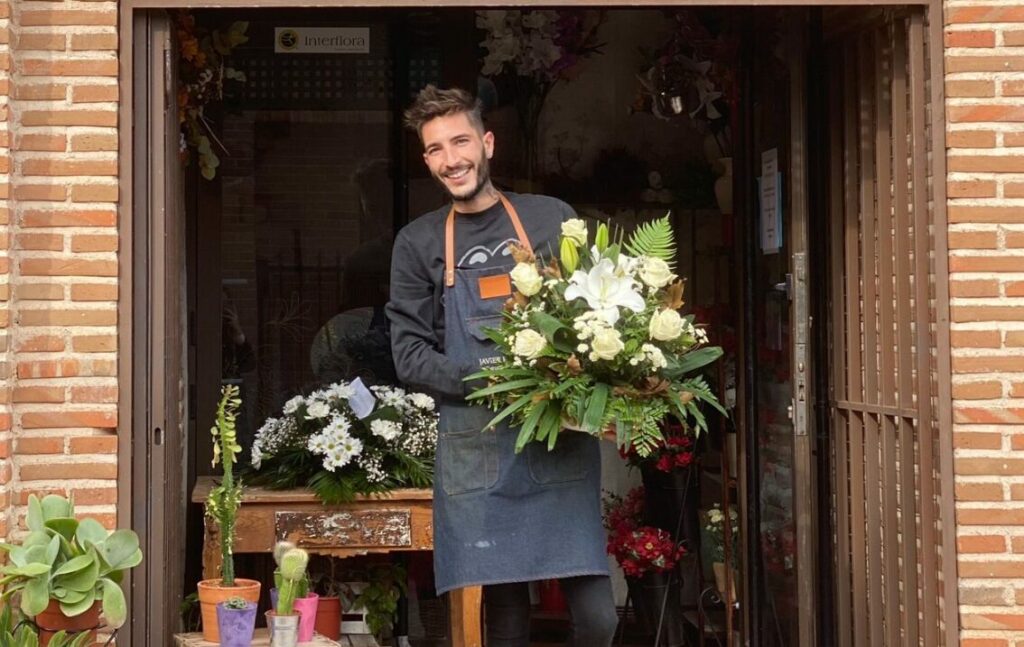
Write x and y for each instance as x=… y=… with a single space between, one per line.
x=307 y=616
x=236 y=625
x=273 y=599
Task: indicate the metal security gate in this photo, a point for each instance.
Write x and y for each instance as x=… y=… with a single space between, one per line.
x=884 y=409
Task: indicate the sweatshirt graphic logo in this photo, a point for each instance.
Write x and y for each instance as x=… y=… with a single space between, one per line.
x=481 y=255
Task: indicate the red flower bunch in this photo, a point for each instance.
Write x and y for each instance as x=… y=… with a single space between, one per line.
x=676 y=452
x=645 y=549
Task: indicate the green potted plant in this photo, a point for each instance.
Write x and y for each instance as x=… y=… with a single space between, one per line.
x=236 y=620
x=67 y=572
x=306 y=601
x=23 y=634
x=222 y=509
x=378 y=597
x=283 y=620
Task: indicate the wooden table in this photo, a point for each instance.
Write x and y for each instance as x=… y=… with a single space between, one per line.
x=261 y=638
x=401 y=520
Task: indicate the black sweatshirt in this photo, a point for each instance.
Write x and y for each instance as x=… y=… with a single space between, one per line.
x=416 y=309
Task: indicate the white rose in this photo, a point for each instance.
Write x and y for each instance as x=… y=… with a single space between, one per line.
x=529 y=344
x=318 y=410
x=576 y=231
x=666 y=325
x=655 y=272
x=386 y=429
x=291 y=406
x=527 y=279
x=607 y=343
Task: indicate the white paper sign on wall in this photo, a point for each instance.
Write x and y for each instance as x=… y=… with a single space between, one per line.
x=770 y=190
x=321 y=40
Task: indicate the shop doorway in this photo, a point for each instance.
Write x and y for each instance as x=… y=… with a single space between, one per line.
x=287 y=246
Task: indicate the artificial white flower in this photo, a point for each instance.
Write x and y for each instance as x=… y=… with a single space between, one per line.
x=529 y=344
x=527 y=279
x=607 y=343
x=575 y=230
x=422 y=400
x=605 y=292
x=291 y=406
x=666 y=325
x=318 y=410
x=655 y=272
x=386 y=429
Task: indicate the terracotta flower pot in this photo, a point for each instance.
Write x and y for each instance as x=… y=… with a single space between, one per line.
x=212 y=592
x=52 y=620
x=328 y=617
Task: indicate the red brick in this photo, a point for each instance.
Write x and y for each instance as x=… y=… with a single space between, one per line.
x=94 y=193
x=93 y=142
x=94 y=394
x=1013 y=38
x=1013 y=189
x=982 y=38
x=94 y=343
x=39 y=291
x=42 y=41
x=1015 y=338
x=955 y=63
x=68 y=17
x=70 y=218
x=48 y=420
x=50 y=242
x=987 y=313
x=983 y=288
x=971 y=139
x=975 y=338
x=1015 y=239
x=984 y=164
x=93 y=292
x=48 y=368
x=106 y=118
x=41 y=344
x=41 y=91
x=992 y=621
x=48 y=394
x=68 y=317
x=977 y=440
x=975 y=466
x=94 y=496
x=61 y=167
x=67 y=267
x=94 y=445
x=39 y=445
x=989 y=415
x=971 y=189
x=1012 y=88
x=41 y=192
x=52 y=143
x=981 y=543
x=90 y=243
x=95 y=42
x=987 y=390
x=971 y=88
x=54 y=471
x=100 y=368
x=93 y=93
x=1014 y=288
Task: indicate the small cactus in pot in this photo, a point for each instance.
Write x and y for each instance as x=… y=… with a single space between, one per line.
x=291 y=575
x=236 y=621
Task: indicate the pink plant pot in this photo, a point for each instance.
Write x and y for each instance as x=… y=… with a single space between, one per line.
x=306 y=607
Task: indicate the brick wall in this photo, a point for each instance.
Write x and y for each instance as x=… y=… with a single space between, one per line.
x=62 y=390
x=985 y=136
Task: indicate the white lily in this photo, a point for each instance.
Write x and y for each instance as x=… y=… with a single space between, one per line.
x=605 y=291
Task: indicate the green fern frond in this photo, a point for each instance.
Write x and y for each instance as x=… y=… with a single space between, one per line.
x=655 y=239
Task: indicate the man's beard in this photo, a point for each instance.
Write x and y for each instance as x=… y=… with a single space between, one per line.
x=483 y=178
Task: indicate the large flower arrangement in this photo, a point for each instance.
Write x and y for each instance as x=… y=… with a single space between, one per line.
x=320 y=442
x=595 y=341
x=536 y=49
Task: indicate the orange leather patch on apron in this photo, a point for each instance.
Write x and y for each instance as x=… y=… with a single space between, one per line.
x=492 y=287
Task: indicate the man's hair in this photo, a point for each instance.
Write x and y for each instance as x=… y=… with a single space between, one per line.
x=432 y=103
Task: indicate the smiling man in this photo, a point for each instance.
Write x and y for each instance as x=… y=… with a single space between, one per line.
x=501 y=519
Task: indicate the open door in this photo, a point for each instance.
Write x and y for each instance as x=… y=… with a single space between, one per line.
x=159 y=326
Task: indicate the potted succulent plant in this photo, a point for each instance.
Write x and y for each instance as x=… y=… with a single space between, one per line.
x=306 y=601
x=283 y=620
x=222 y=509
x=67 y=572
x=236 y=621
x=24 y=634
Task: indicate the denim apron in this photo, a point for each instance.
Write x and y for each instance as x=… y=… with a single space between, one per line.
x=499 y=516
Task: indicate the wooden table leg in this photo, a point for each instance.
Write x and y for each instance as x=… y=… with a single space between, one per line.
x=465 y=616
x=211 y=551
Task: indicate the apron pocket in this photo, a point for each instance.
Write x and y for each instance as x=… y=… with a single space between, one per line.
x=566 y=462
x=477 y=326
x=469 y=460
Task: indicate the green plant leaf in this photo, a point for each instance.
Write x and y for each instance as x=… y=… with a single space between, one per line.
x=90 y=532
x=35 y=596
x=502 y=387
x=692 y=361
x=55 y=506
x=509 y=410
x=594 y=414
x=34 y=519
x=529 y=425
x=559 y=335
x=64 y=526
x=120 y=549
x=73 y=609
x=653 y=239
x=114 y=608
x=82 y=577
x=32 y=569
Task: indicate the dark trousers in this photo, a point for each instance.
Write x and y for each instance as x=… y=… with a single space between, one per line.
x=591 y=608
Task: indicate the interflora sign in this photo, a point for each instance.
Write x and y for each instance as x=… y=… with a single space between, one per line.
x=322 y=40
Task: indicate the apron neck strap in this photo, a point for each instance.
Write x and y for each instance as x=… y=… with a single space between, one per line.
x=449 y=237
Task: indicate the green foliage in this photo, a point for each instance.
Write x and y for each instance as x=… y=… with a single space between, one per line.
x=280 y=549
x=654 y=239
x=236 y=602
x=224 y=500
x=73 y=562
x=387 y=582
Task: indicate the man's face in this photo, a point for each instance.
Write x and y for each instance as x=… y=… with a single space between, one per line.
x=457 y=154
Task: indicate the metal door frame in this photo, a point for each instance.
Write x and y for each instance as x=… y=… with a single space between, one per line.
x=133 y=380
